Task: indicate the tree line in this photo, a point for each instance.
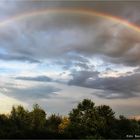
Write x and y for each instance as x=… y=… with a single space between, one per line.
x=86 y=121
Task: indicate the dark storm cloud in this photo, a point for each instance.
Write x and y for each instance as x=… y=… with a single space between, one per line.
x=112 y=87
x=38 y=78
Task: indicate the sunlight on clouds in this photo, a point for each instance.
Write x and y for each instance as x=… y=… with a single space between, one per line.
x=6 y=103
x=118 y=71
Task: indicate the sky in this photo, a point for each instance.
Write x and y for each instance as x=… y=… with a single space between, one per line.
x=56 y=53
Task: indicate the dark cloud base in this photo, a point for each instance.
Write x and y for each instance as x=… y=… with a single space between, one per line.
x=38 y=78
x=31 y=93
x=112 y=87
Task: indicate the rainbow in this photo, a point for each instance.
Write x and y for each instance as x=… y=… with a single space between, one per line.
x=85 y=11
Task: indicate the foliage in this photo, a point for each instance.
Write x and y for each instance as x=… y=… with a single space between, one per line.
x=86 y=121
x=37 y=118
x=53 y=123
x=64 y=124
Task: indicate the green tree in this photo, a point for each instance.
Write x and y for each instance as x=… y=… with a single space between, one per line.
x=53 y=123
x=37 y=118
x=127 y=127
x=4 y=126
x=108 y=116
x=85 y=121
x=19 y=118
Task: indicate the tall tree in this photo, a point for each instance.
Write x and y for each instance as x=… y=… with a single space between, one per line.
x=53 y=123
x=108 y=116
x=37 y=118
x=19 y=118
x=85 y=120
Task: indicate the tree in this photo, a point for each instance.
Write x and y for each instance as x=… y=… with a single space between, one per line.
x=64 y=124
x=4 y=125
x=52 y=124
x=37 y=118
x=108 y=116
x=85 y=120
x=127 y=127
x=19 y=118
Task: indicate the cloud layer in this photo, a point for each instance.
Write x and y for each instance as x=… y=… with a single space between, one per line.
x=95 y=55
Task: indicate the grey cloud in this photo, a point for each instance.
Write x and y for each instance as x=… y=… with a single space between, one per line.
x=9 y=57
x=126 y=8
x=30 y=93
x=112 y=87
x=37 y=78
x=80 y=78
x=137 y=70
x=41 y=78
x=83 y=65
x=55 y=36
x=73 y=60
x=71 y=40
x=111 y=41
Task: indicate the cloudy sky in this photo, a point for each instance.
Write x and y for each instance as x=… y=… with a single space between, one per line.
x=56 y=53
